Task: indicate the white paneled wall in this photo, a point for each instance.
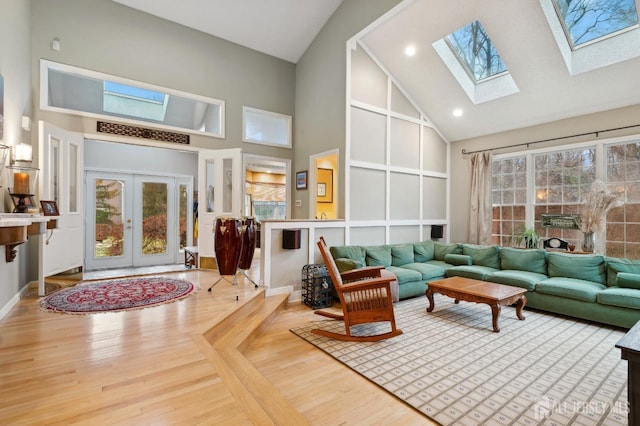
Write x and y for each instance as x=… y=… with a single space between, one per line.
x=397 y=164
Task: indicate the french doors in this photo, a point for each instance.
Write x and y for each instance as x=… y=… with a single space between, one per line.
x=136 y=219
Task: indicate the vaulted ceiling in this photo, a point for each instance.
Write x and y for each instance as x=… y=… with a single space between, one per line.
x=519 y=30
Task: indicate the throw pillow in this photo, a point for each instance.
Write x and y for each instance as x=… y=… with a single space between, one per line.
x=616 y=265
x=627 y=280
x=440 y=250
x=378 y=256
x=458 y=259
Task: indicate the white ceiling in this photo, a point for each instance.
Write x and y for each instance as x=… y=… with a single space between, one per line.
x=519 y=30
x=280 y=28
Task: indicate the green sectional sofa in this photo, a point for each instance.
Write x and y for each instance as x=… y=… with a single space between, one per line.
x=592 y=287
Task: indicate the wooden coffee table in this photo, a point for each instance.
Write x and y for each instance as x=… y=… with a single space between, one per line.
x=471 y=290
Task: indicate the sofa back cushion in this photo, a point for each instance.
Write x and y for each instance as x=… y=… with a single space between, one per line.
x=579 y=266
x=628 y=280
x=440 y=250
x=401 y=254
x=488 y=256
x=523 y=260
x=615 y=265
x=423 y=251
x=355 y=253
x=378 y=256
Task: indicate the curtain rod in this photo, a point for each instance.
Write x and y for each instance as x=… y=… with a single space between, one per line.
x=596 y=133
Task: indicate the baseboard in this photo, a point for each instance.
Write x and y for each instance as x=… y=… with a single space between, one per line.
x=294 y=296
x=13 y=302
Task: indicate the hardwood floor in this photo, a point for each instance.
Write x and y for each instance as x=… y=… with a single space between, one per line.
x=206 y=359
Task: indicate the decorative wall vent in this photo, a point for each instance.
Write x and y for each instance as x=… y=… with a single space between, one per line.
x=142 y=132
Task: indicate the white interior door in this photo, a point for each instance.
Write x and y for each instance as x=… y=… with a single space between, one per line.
x=61 y=171
x=220 y=189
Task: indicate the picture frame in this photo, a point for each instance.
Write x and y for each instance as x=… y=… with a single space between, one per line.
x=28 y=200
x=301 y=179
x=325 y=186
x=49 y=208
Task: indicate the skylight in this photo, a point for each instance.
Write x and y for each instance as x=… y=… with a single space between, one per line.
x=585 y=21
x=134 y=101
x=476 y=52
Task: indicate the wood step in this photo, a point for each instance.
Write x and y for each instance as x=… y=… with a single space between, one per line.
x=223 y=345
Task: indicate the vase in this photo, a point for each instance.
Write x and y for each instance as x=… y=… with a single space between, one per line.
x=588 y=242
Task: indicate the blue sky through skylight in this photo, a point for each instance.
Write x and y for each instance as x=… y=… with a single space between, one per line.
x=133 y=92
x=589 y=20
x=476 y=51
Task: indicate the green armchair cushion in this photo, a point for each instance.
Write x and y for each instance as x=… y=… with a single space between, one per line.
x=627 y=280
x=401 y=254
x=615 y=266
x=488 y=256
x=423 y=251
x=378 y=256
x=523 y=260
x=577 y=266
x=440 y=250
x=458 y=259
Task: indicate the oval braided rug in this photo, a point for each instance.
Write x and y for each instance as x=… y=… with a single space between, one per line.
x=117 y=295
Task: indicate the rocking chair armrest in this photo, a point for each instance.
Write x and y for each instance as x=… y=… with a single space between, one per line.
x=360 y=273
x=367 y=284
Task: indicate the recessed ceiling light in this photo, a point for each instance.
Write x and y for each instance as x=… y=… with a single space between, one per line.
x=457 y=112
x=410 y=50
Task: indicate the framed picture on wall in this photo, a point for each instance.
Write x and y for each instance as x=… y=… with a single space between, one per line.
x=301 y=179
x=325 y=186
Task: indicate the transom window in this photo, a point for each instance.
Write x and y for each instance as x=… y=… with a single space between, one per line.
x=134 y=101
x=590 y=20
x=476 y=52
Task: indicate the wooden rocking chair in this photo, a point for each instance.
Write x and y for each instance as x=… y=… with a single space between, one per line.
x=365 y=298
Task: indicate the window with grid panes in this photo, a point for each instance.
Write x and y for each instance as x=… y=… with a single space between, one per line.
x=509 y=191
x=623 y=223
x=561 y=180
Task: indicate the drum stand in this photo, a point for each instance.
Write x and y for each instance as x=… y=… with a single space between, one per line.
x=233 y=283
x=244 y=272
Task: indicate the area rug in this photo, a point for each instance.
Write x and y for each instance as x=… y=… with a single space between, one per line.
x=452 y=367
x=117 y=295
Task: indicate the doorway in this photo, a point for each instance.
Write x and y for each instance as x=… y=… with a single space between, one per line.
x=136 y=219
x=323 y=181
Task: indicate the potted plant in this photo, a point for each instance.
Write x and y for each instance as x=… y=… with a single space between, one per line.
x=528 y=236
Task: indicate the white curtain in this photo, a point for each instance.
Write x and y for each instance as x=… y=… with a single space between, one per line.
x=480 y=215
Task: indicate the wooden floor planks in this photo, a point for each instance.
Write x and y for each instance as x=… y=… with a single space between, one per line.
x=189 y=362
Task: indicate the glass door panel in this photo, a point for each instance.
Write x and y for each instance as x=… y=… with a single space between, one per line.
x=109 y=207
x=109 y=218
x=154 y=218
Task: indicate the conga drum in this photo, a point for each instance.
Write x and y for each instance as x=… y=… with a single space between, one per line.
x=248 y=242
x=228 y=245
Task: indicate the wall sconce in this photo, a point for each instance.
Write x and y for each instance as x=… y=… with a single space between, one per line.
x=4 y=152
x=22 y=153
